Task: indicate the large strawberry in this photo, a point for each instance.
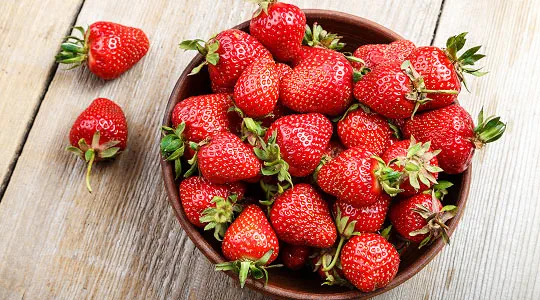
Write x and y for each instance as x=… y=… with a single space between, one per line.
x=209 y=205
x=227 y=55
x=451 y=129
x=300 y=216
x=295 y=257
x=257 y=90
x=251 y=244
x=109 y=49
x=100 y=132
x=373 y=55
x=279 y=27
x=417 y=162
x=368 y=218
x=358 y=178
x=361 y=127
x=421 y=218
x=369 y=262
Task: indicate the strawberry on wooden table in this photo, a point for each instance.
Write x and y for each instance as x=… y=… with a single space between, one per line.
x=250 y=244
x=109 y=49
x=100 y=132
x=295 y=257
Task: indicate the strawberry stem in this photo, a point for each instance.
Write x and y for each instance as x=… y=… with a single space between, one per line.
x=336 y=256
x=90 y=156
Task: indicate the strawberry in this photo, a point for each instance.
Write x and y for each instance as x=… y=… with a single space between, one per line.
x=251 y=244
x=295 y=257
x=421 y=218
x=321 y=82
x=368 y=218
x=369 y=262
x=227 y=55
x=208 y=205
x=302 y=140
x=361 y=127
x=257 y=90
x=109 y=49
x=417 y=162
x=373 y=55
x=104 y=126
x=317 y=40
x=451 y=129
x=279 y=27
x=283 y=70
x=301 y=217
x=358 y=178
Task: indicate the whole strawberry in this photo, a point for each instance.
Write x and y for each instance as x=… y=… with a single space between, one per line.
x=209 y=205
x=109 y=49
x=373 y=55
x=295 y=257
x=251 y=245
x=279 y=27
x=257 y=90
x=368 y=218
x=227 y=55
x=369 y=262
x=300 y=216
x=451 y=129
x=361 y=127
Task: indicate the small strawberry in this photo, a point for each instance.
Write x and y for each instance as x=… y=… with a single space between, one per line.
x=209 y=205
x=373 y=55
x=417 y=162
x=361 y=127
x=257 y=90
x=109 y=49
x=104 y=126
x=301 y=217
x=295 y=257
x=251 y=245
x=369 y=262
x=451 y=129
x=279 y=27
x=227 y=55
x=368 y=218
x=421 y=218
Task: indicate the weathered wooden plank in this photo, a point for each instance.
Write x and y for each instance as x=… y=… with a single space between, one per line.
x=27 y=51
x=123 y=241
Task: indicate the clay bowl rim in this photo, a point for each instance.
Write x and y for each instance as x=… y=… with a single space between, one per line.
x=270 y=289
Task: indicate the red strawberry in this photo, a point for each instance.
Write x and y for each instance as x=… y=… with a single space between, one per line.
x=227 y=55
x=257 y=90
x=417 y=162
x=108 y=48
x=302 y=140
x=361 y=127
x=99 y=132
x=251 y=245
x=295 y=257
x=421 y=218
x=451 y=129
x=226 y=159
x=376 y=54
x=210 y=205
x=317 y=40
x=279 y=27
x=283 y=70
x=369 y=262
x=301 y=217
x=355 y=177
x=368 y=218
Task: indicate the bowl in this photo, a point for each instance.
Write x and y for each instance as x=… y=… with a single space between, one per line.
x=283 y=283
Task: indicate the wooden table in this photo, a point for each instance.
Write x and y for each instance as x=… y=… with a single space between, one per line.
x=123 y=241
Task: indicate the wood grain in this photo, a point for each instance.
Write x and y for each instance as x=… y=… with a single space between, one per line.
x=27 y=50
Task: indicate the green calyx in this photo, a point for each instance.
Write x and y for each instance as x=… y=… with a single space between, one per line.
x=352 y=108
x=271 y=191
x=245 y=268
x=172 y=146
x=346 y=231
x=419 y=93
x=263 y=6
x=395 y=130
x=487 y=130
x=318 y=37
x=94 y=151
x=332 y=275
x=219 y=217
x=436 y=220
x=251 y=130
x=388 y=178
x=385 y=233
x=74 y=50
x=358 y=73
x=440 y=189
x=463 y=63
x=193 y=162
x=206 y=49
x=274 y=164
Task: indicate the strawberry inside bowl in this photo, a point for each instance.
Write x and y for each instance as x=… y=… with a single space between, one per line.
x=305 y=284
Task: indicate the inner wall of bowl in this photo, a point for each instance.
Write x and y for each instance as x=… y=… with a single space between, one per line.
x=306 y=283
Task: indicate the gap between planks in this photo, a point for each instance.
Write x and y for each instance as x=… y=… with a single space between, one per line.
x=437 y=23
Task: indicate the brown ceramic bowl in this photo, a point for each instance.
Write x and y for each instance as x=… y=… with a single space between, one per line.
x=284 y=283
